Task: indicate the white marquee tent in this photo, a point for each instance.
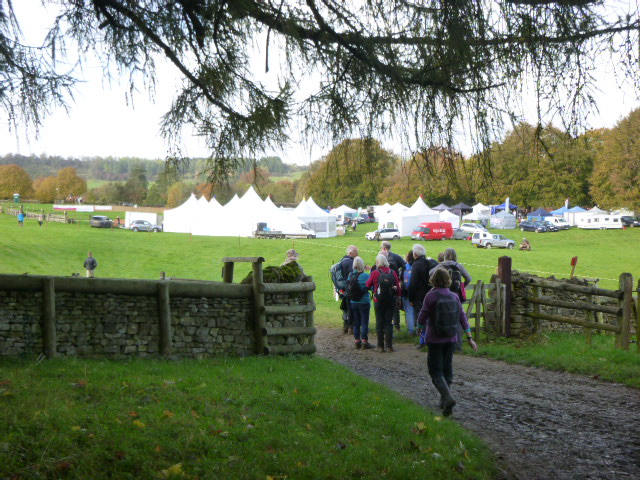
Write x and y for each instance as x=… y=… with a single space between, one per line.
x=323 y=223
x=179 y=219
x=406 y=219
x=452 y=218
x=503 y=220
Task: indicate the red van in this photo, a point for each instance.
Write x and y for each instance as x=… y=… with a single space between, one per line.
x=433 y=231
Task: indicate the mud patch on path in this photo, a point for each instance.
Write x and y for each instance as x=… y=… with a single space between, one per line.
x=541 y=424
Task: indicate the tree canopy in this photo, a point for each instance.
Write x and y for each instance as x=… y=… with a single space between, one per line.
x=419 y=71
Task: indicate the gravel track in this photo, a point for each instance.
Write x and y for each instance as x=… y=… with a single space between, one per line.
x=541 y=424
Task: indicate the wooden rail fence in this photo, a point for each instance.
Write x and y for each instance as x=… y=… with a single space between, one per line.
x=626 y=311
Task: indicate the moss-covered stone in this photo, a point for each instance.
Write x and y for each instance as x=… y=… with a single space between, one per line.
x=288 y=273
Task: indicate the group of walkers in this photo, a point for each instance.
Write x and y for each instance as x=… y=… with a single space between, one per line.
x=430 y=293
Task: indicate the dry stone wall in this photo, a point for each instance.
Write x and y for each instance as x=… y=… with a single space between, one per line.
x=521 y=324
x=115 y=325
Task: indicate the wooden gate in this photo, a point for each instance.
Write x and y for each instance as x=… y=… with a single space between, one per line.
x=261 y=311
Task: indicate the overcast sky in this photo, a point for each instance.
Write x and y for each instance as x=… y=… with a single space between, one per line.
x=101 y=123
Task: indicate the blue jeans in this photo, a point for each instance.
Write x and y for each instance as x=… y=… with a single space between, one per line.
x=360 y=312
x=408 y=313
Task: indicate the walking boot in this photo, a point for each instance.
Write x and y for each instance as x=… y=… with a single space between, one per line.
x=366 y=345
x=446 y=399
x=358 y=345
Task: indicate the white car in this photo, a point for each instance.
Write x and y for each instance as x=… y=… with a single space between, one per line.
x=472 y=227
x=384 y=234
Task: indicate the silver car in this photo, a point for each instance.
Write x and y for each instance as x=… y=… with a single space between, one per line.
x=472 y=227
x=491 y=240
x=144 y=226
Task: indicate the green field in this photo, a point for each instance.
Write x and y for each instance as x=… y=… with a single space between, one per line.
x=272 y=418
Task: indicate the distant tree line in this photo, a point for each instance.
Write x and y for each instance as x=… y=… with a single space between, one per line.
x=533 y=165
x=138 y=181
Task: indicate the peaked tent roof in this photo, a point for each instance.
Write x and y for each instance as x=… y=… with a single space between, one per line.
x=598 y=211
x=462 y=206
x=560 y=210
x=441 y=207
x=540 y=212
x=576 y=210
x=420 y=208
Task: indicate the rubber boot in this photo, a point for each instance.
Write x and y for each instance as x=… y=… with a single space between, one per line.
x=446 y=399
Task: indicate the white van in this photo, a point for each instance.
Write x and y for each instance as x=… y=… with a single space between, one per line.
x=559 y=222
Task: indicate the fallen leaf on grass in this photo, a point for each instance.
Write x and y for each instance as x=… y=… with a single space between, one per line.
x=80 y=384
x=194 y=414
x=174 y=471
x=5 y=383
x=119 y=455
x=158 y=448
x=419 y=428
x=167 y=414
x=139 y=424
x=134 y=414
x=63 y=466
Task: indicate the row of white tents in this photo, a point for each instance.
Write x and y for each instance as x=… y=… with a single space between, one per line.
x=241 y=216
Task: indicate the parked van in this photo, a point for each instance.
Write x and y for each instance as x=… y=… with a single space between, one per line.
x=561 y=223
x=433 y=231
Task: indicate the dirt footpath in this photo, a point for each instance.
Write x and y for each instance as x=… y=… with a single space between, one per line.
x=541 y=424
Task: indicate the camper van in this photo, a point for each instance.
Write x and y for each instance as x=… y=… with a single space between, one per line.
x=433 y=231
x=561 y=223
x=600 y=222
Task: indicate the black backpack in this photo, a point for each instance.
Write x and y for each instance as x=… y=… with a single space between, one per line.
x=456 y=279
x=386 y=282
x=353 y=290
x=447 y=316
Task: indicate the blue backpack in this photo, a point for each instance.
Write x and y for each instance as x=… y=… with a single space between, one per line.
x=406 y=275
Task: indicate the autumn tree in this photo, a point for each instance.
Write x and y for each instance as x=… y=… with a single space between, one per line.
x=45 y=189
x=135 y=188
x=354 y=172
x=537 y=166
x=14 y=179
x=110 y=193
x=616 y=173
x=282 y=191
x=69 y=184
x=178 y=193
x=438 y=175
x=418 y=71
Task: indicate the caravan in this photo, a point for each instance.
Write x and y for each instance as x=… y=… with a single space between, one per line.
x=599 y=221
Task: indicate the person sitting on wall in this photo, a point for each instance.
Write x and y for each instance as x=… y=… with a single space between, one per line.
x=292 y=263
x=525 y=245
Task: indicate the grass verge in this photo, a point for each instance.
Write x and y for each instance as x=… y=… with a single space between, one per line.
x=252 y=418
x=570 y=353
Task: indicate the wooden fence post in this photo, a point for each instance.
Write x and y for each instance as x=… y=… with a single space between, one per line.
x=479 y=293
x=308 y=300
x=258 y=305
x=497 y=316
x=227 y=272
x=626 y=285
x=164 y=320
x=504 y=272
x=49 y=338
